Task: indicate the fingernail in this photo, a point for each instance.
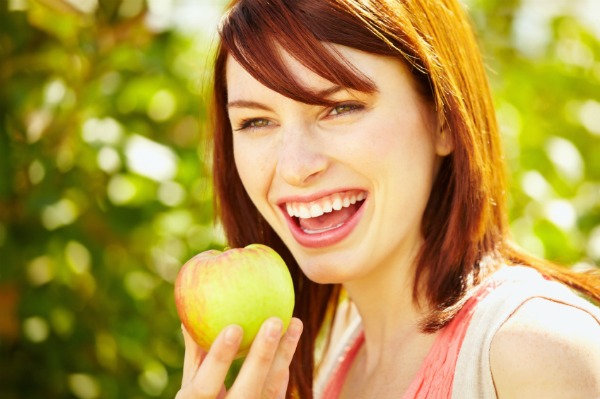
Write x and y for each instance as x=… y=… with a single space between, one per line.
x=274 y=328
x=233 y=334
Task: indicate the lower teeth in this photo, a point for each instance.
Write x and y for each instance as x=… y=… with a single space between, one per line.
x=307 y=231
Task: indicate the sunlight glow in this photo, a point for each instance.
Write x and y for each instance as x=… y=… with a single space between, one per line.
x=535 y=185
x=150 y=159
x=589 y=115
x=566 y=158
x=102 y=131
x=61 y=213
x=561 y=213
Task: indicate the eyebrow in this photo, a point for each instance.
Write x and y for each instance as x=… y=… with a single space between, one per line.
x=257 y=105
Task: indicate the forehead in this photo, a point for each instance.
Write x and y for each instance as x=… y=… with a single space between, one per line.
x=239 y=78
x=375 y=68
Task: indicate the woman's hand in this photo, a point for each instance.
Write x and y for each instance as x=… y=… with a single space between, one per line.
x=264 y=374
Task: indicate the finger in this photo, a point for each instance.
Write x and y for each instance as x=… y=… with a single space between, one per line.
x=257 y=364
x=208 y=381
x=189 y=393
x=283 y=388
x=192 y=358
x=277 y=379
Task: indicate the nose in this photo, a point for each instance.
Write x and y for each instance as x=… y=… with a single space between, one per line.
x=301 y=159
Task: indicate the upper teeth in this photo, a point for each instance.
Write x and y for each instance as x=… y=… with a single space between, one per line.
x=334 y=202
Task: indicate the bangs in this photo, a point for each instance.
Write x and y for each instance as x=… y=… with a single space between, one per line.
x=257 y=33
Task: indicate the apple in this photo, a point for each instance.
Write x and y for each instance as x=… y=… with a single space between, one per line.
x=243 y=286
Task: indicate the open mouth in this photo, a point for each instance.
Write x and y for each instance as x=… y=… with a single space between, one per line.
x=327 y=213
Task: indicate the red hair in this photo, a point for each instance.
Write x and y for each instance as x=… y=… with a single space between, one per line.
x=465 y=226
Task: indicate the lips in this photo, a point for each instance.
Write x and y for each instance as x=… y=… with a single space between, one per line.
x=325 y=220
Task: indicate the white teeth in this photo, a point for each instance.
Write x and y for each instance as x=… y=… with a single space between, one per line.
x=304 y=212
x=327 y=207
x=307 y=231
x=337 y=202
x=315 y=209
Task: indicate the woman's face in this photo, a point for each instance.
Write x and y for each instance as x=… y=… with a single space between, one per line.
x=345 y=187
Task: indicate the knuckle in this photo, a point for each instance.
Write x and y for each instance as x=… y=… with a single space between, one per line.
x=288 y=349
x=222 y=355
x=278 y=382
x=270 y=391
x=265 y=356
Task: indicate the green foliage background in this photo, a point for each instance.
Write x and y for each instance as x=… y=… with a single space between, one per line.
x=104 y=176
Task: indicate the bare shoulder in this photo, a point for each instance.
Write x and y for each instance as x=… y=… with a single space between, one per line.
x=547 y=349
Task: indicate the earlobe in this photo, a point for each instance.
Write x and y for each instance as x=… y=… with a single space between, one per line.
x=444 y=141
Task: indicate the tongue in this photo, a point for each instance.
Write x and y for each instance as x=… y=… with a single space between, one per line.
x=329 y=220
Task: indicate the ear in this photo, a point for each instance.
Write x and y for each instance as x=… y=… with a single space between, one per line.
x=444 y=142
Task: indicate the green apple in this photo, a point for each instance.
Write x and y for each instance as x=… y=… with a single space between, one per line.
x=243 y=286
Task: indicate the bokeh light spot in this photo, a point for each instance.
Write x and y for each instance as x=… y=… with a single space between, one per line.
x=566 y=158
x=150 y=159
x=109 y=160
x=162 y=106
x=102 y=131
x=139 y=284
x=154 y=378
x=535 y=185
x=78 y=257
x=561 y=213
x=59 y=214
x=171 y=193
x=35 y=329
x=37 y=172
x=84 y=386
x=593 y=245
x=54 y=92
x=121 y=189
x=589 y=115
x=40 y=270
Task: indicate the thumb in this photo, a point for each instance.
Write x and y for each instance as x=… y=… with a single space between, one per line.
x=194 y=355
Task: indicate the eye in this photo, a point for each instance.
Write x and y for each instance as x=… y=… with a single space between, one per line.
x=254 y=123
x=345 y=108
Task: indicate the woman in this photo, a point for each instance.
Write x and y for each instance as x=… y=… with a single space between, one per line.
x=358 y=139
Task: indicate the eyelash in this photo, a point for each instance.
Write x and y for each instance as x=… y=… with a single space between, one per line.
x=246 y=124
x=351 y=107
x=249 y=124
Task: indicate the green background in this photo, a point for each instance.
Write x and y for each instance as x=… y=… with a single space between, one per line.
x=105 y=187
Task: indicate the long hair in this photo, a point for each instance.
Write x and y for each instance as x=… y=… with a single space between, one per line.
x=465 y=225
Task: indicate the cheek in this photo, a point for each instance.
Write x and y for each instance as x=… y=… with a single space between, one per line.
x=399 y=156
x=251 y=166
x=243 y=165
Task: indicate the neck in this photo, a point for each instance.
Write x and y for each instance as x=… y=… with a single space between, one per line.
x=390 y=315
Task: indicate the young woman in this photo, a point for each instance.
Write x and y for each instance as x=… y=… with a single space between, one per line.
x=358 y=139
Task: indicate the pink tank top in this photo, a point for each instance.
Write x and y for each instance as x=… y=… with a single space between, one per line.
x=435 y=376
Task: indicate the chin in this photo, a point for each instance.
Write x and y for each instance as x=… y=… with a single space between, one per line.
x=324 y=272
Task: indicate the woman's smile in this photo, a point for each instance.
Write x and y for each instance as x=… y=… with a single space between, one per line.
x=324 y=221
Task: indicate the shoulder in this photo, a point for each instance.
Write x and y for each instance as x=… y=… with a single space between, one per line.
x=547 y=349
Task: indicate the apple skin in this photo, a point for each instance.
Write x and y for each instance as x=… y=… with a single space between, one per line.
x=243 y=286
